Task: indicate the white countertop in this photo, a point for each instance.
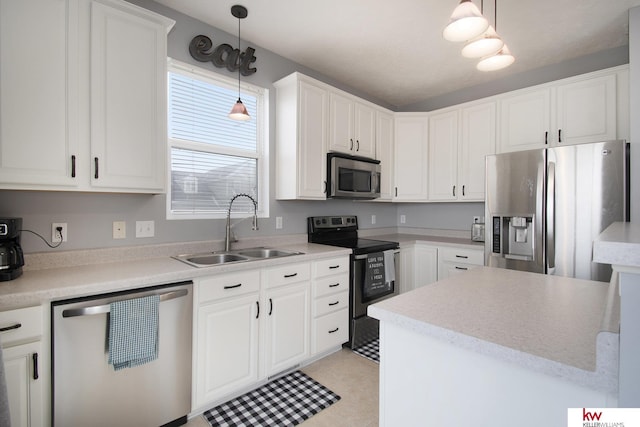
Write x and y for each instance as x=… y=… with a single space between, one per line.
x=39 y=286
x=563 y=327
x=618 y=244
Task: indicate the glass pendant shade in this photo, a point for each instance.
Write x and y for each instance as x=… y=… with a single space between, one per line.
x=239 y=111
x=466 y=23
x=484 y=45
x=500 y=60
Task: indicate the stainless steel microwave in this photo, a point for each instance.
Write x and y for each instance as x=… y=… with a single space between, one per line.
x=350 y=177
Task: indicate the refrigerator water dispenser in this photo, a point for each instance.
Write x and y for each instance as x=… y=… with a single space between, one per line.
x=513 y=237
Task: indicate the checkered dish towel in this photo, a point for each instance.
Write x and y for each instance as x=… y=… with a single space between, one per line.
x=133 y=331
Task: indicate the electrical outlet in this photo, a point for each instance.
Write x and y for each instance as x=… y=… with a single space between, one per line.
x=403 y=219
x=145 y=229
x=278 y=222
x=119 y=229
x=373 y=219
x=55 y=235
x=476 y=219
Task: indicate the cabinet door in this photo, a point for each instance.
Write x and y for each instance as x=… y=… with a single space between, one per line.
x=128 y=99
x=38 y=93
x=411 y=156
x=341 y=122
x=525 y=121
x=477 y=140
x=586 y=111
x=227 y=347
x=312 y=149
x=384 y=153
x=24 y=387
x=365 y=131
x=443 y=156
x=287 y=313
x=426 y=265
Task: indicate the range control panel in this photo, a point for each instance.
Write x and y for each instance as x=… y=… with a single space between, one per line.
x=329 y=222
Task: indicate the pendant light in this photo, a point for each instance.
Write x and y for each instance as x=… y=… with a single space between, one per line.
x=466 y=23
x=485 y=44
x=239 y=111
x=502 y=58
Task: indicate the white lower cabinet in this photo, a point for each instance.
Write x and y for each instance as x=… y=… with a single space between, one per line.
x=422 y=263
x=330 y=308
x=286 y=302
x=455 y=261
x=226 y=336
x=25 y=366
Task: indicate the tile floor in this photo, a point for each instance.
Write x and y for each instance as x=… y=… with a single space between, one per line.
x=353 y=378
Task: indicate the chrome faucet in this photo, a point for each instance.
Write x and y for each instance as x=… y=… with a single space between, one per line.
x=227 y=238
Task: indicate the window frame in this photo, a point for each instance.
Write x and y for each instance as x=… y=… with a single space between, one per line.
x=262 y=140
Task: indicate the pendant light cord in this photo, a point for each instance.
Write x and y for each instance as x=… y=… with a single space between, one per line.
x=238 y=61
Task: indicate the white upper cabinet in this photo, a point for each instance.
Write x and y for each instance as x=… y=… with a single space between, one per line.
x=573 y=111
x=301 y=138
x=385 y=153
x=411 y=156
x=128 y=98
x=88 y=112
x=352 y=126
x=459 y=140
x=443 y=155
x=38 y=93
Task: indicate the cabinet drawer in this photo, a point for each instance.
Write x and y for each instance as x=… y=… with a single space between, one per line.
x=22 y=325
x=228 y=285
x=330 y=303
x=466 y=256
x=331 y=284
x=329 y=266
x=290 y=273
x=331 y=330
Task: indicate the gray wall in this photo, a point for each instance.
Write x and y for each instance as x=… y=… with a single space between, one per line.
x=90 y=215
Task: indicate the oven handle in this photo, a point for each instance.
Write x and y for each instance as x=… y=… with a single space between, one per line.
x=364 y=256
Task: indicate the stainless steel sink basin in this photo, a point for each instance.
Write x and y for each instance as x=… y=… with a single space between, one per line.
x=265 y=253
x=240 y=255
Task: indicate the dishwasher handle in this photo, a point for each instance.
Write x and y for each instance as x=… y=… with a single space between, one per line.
x=101 y=309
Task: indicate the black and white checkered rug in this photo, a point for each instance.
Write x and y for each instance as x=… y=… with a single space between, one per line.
x=285 y=401
x=369 y=350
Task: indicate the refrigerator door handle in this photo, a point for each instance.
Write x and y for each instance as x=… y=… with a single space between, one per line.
x=551 y=217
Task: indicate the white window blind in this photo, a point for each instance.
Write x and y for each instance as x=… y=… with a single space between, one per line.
x=213 y=157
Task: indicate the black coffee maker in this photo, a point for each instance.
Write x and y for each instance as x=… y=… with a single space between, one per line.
x=11 y=257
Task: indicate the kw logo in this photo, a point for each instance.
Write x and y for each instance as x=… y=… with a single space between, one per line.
x=590 y=416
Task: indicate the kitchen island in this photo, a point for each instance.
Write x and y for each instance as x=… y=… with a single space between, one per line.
x=497 y=347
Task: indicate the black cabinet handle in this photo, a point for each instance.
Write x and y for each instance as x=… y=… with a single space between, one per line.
x=546 y=137
x=35 y=366
x=334 y=303
x=396 y=191
x=286 y=276
x=233 y=286
x=334 y=285
x=325 y=187
x=454 y=191
x=351 y=147
x=73 y=166
x=357 y=145
x=333 y=267
x=258 y=310
x=12 y=327
x=462 y=256
x=559 y=135
x=95 y=162
x=270 y=306
x=463 y=190
x=334 y=330
x=461 y=268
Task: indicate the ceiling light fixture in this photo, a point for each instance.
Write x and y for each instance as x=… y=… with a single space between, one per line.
x=466 y=23
x=239 y=111
x=502 y=58
x=485 y=44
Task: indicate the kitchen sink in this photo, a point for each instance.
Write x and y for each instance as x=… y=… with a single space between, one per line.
x=265 y=253
x=241 y=255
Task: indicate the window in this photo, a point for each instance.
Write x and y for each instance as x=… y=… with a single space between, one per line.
x=213 y=157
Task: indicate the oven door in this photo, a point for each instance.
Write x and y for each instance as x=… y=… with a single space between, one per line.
x=365 y=289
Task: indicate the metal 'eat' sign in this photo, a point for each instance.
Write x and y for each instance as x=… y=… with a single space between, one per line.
x=223 y=55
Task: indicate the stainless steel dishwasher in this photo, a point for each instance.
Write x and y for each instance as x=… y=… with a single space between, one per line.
x=87 y=391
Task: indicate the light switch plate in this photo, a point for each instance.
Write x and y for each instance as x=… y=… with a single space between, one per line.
x=145 y=229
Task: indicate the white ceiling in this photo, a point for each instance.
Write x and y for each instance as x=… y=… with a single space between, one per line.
x=394 y=50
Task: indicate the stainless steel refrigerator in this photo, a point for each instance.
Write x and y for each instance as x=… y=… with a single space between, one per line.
x=544 y=208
